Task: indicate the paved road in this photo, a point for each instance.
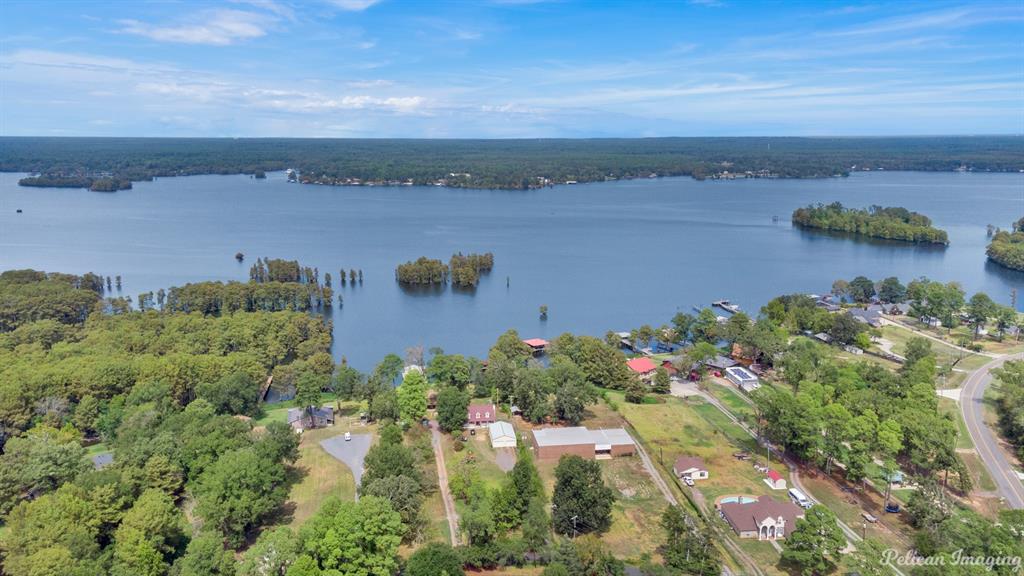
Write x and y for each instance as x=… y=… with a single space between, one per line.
x=442 y=483
x=972 y=405
x=350 y=453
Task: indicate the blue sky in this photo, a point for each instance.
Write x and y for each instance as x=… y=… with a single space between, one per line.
x=510 y=68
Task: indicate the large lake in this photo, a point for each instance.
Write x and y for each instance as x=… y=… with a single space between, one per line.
x=601 y=256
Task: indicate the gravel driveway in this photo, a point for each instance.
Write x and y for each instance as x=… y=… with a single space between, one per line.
x=505 y=458
x=350 y=453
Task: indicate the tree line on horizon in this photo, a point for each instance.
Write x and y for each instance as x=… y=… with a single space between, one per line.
x=495 y=164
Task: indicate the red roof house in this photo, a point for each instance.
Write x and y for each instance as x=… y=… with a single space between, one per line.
x=478 y=414
x=642 y=365
x=536 y=343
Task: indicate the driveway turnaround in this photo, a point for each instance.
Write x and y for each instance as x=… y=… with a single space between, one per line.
x=350 y=453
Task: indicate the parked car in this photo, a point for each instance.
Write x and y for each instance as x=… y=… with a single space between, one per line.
x=348 y=436
x=869 y=517
x=688 y=481
x=892 y=508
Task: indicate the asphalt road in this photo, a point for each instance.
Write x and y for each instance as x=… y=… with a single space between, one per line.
x=350 y=453
x=985 y=442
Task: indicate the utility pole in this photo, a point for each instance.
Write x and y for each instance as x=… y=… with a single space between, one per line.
x=574 y=526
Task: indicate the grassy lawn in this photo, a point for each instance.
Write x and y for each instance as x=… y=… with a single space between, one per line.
x=763 y=554
x=319 y=475
x=963 y=439
x=988 y=343
x=278 y=411
x=732 y=400
x=944 y=355
x=636 y=515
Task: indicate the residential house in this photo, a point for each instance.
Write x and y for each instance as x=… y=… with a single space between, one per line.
x=301 y=419
x=480 y=414
x=764 y=519
x=691 y=467
x=642 y=366
x=742 y=378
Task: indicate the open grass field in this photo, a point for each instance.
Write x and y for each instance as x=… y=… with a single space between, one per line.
x=988 y=343
x=944 y=355
x=727 y=394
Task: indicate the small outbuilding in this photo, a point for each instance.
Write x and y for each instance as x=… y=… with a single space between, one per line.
x=743 y=378
x=775 y=480
x=502 y=435
x=480 y=414
x=691 y=467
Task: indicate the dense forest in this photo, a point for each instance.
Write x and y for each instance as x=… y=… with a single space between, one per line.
x=504 y=164
x=1007 y=248
x=875 y=222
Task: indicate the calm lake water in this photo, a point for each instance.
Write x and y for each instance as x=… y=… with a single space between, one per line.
x=602 y=256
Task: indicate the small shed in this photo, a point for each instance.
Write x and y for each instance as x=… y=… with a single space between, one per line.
x=691 y=467
x=502 y=435
x=775 y=480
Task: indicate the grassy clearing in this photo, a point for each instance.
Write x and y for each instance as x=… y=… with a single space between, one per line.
x=978 y=471
x=963 y=439
x=318 y=475
x=945 y=355
x=988 y=343
x=848 y=506
x=732 y=400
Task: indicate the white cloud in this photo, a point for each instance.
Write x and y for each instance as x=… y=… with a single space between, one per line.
x=354 y=5
x=212 y=27
x=940 y=19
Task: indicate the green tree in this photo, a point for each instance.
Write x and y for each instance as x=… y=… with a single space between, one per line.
x=403 y=493
x=434 y=559
x=891 y=291
x=861 y=289
x=412 y=396
x=309 y=393
x=979 y=309
x=689 y=546
x=450 y=369
x=38 y=462
x=452 y=407
x=387 y=460
x=279 y=442
x=239 y=491
x=582 y=502
x=351 y=539
x=662 y=382
x=384 y=405
x=206 y=556
x=235 y=393
x=536 y=524
x=274 y=551
x=389 y=369
x=705 y=327
x=814 y=546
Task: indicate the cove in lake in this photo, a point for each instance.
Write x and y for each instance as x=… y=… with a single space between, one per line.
x=603 y=256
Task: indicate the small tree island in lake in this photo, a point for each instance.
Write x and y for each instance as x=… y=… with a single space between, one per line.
x=1007 y=248
x=462 y=269
x=889 y=223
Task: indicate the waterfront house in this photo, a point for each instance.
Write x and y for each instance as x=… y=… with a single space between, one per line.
x=642 y=366
x=720 y=363
x=300 y=419
x=537 y=345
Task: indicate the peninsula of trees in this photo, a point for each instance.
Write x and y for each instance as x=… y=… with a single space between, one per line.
x=1007 y=248
x=496 y=164
x=462 y=270
x=889 y=223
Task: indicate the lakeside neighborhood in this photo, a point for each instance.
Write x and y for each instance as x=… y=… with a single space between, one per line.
x=724 y=383
x=716 y=422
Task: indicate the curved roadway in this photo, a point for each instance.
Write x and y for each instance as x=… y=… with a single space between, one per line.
x=972 y=405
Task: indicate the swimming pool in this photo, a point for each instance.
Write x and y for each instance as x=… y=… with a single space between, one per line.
x=739 y=499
